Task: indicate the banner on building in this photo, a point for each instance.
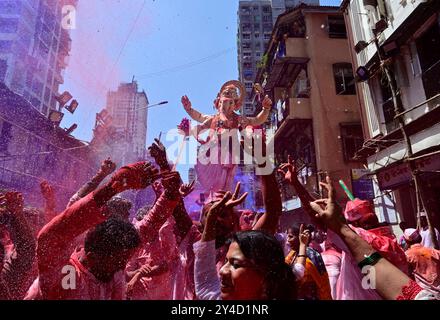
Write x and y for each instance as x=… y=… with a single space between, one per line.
x=400 y=174
x=362 y=183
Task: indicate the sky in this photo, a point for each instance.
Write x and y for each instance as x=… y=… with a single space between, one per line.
x=171 y=47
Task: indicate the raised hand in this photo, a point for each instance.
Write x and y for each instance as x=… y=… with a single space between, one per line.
x=186 y=103
x=267 y=103
x=235 y=200
x=288 y=170
x=171 y=182
x=186 y=189
x=14 y=201
x=218 y=207
x=304 y=236
x=327 y=210
x=157 y=188
x=158 y=152
x=107 y=167
x=135 y=176
x=47 y=190
x=145 y=270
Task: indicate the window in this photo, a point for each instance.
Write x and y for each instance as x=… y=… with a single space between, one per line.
x=352 y=139
x=246 y=36
x=47 y=95
x=267 y=27
x=388 y=104
x=344 y=79
x=5 y=136
x=37 y=87
x=248 y=85
x=35 y=102
x=256 y=26
x=257 y=35
x=5 y=46
x=3 y=69
x=8 y=25
x=267 y=18
x=44 y=109
x=248 y=74
x=246 y=45
x=267 y=36
x=10 y=6
x=266 y=9
x=336 y=27
x=428 y=49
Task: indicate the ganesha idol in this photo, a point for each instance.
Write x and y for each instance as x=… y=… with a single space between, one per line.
x=219 y=174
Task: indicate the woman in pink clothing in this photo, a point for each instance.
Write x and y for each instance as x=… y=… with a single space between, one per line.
x=332 y=258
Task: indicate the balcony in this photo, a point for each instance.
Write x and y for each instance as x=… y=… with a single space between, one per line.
x=296 y=111
x=288 y=59
x=299 y=108
x=296 y=48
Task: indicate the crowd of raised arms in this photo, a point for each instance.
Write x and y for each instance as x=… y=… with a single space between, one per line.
x=92 y=251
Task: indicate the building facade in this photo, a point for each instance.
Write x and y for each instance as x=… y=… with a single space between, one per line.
x=127 y=107
x=256 y=19
x=34 y=49
x=407 y=34
x=32 y=149
x=315 y=116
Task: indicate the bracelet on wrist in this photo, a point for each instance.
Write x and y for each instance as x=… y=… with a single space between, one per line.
x=370 y=260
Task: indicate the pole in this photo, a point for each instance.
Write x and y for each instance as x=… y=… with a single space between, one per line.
x=421 y=202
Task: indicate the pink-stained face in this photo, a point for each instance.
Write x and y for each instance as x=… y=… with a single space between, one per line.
x=226 y=106
x=240 y=280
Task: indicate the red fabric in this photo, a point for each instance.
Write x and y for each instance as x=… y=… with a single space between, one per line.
x=54 y=246
x=149 y=226
x=383 y=240
x=134 y=176
x=356 y=209
x=410 y=291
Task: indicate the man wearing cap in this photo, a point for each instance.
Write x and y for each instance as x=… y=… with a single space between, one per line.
x=424 y=262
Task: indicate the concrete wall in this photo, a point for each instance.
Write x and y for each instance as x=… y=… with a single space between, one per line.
x=328 y=109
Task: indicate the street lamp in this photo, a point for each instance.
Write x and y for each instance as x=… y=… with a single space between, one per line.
x=153 y=105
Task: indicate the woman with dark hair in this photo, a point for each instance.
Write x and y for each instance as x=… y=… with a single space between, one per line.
x=265 y=256
x=254 y=268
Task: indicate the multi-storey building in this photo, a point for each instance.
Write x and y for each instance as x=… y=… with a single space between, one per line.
x=34 y=47
x=316 y=119
x=407 y=34
x=32 y=149
x=128 y=108
x=255 y=23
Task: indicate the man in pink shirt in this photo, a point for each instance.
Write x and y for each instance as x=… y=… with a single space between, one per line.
x=96 y=271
